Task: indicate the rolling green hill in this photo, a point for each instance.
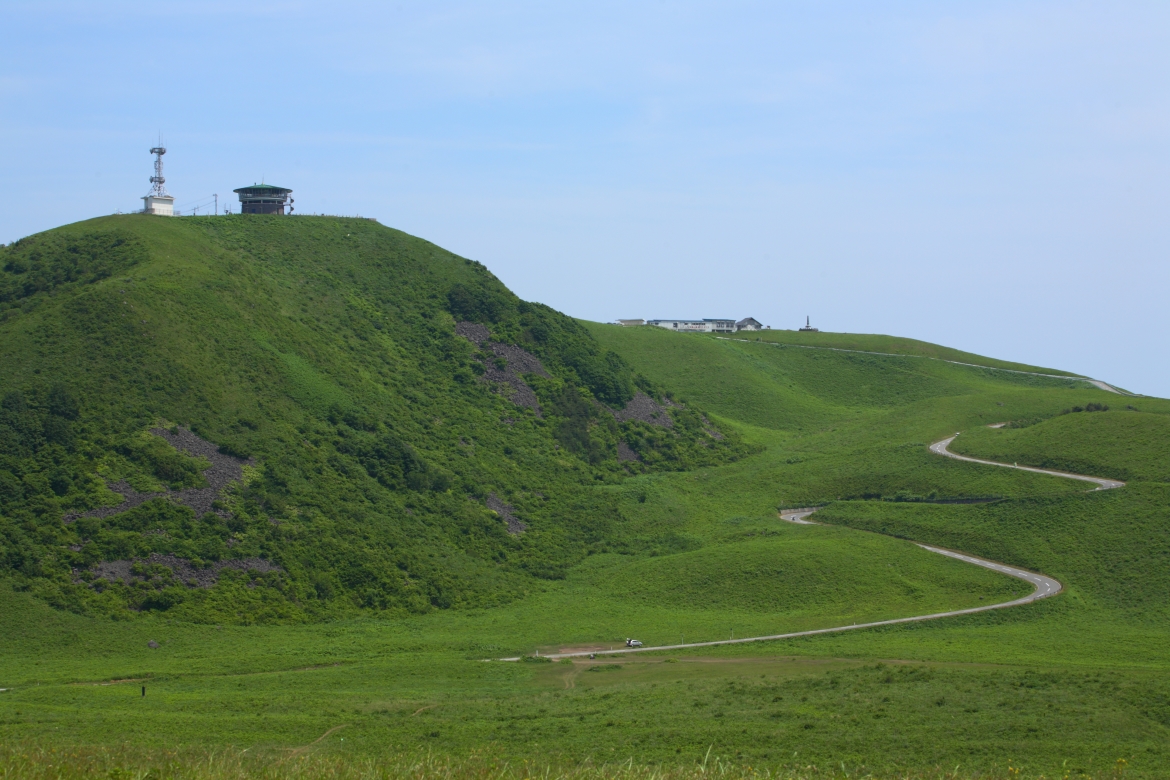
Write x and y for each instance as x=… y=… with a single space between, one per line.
x=423 y=472
x=386 y=449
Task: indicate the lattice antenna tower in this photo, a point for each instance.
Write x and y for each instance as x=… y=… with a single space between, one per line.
x=158 y=181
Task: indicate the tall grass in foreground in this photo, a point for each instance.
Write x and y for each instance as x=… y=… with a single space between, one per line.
x=126 y=763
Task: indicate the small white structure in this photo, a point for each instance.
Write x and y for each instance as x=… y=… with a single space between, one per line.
x=696 y=326
x=631 y=323
x=808 y=328
x=158 y=201
x=749 y=323
x=163 y=205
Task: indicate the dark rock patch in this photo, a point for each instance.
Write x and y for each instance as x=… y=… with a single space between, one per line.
x=182 y=570
x=515 y=526
x=645 y=409
x=224 y=470
x=507 y=380
x=710 y=429
x=520 y=361
x=473 y=332
x=625 y=453
x=153 y=645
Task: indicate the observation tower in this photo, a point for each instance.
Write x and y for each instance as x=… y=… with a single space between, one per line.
x=264 y=199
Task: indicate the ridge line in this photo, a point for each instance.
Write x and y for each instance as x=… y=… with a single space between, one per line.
x=1070 y=377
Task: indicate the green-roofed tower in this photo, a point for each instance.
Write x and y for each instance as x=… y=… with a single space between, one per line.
x=264 y=199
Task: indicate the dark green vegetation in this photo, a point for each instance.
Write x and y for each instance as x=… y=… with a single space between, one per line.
x=378 y=450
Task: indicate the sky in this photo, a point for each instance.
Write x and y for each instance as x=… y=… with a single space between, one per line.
x=992 y=176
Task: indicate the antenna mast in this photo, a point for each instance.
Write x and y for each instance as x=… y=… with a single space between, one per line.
x=158 y=182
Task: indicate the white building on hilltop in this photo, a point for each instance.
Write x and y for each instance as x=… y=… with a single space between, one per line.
x=700 y=326
x=696 y=326
x=158 y=201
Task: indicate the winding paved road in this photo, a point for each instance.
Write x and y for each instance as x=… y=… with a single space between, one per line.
x=1043 y=586
x=940 y=448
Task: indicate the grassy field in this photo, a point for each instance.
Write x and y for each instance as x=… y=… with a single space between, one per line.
x=692 y=551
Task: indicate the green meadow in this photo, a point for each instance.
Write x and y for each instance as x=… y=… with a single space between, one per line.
x=370 y=652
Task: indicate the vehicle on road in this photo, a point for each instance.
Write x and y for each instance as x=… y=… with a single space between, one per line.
x=633 y=643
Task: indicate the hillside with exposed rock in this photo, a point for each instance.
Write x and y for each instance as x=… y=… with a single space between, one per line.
x=261 y=419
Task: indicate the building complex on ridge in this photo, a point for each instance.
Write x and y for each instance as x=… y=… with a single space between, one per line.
x=700 y=326
x=710 y=325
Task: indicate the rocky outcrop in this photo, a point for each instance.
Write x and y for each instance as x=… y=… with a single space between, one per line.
x=506 y=379
x=645 y=409
x=625 y=453
x=473 y=332
x=224 y=470
x=515 y=526
x=182 y=571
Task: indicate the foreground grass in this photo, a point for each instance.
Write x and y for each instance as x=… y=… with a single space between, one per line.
x=360 y=691
x=35 y=763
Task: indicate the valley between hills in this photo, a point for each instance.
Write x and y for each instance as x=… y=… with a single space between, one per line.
x=272 y=489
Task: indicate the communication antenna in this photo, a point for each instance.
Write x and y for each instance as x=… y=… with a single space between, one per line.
x=158 y=182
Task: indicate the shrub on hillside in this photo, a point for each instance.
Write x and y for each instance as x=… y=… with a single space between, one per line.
x=49 y=261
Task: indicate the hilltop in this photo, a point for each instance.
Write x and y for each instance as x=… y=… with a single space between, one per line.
x=347 y=417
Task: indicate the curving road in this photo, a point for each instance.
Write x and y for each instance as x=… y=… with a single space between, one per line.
x=940 y=448
x=1043 y=586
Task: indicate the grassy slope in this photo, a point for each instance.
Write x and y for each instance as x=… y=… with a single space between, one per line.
x=1079 y=678
x=325 y=348
x=889 y=344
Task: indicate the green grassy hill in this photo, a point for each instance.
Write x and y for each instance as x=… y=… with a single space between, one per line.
x=326 y=350
x=389 y=454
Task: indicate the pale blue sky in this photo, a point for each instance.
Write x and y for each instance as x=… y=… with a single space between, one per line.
x=993 y=176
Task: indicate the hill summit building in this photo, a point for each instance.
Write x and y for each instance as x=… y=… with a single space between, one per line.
x=264 y=199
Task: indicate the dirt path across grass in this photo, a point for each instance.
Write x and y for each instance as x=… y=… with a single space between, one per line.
x=303 y=748
x=1043 y=586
